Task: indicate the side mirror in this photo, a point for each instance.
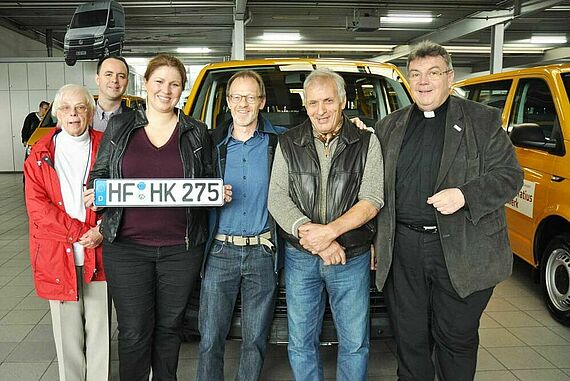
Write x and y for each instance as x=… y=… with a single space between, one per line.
x=530 y=135
x=112 y=23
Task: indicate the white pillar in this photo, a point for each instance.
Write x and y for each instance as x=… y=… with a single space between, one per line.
x=496 y=57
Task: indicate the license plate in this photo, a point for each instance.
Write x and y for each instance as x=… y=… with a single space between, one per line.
x=81 y=53
x=159 y=192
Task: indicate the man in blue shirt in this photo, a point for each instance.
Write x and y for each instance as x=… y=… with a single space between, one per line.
x=241 y=254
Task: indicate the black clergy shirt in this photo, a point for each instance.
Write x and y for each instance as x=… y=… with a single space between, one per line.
x=418 y=166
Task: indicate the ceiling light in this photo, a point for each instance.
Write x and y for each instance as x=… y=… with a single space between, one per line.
x=406 y=19
x=319 y=47
x=193 y=50
x=277 y=36
x=548 y=40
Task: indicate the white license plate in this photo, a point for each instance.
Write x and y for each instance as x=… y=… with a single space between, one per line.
x=80 y=53
x=159 y=192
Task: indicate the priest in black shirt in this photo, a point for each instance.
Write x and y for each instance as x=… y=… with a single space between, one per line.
x=442 y=242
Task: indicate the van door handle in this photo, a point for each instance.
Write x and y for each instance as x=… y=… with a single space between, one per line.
x=557 y=179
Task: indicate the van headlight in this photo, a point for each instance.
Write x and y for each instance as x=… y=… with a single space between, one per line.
x=99 y=39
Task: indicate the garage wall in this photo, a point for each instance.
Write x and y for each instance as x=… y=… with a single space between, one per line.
x=23 y=85
x=13 y=44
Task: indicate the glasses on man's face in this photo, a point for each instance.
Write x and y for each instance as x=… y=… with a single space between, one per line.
x=67 y=109
x=432 y=75
x=236 y=98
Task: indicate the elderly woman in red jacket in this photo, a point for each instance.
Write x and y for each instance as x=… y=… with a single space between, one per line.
x=64 y=238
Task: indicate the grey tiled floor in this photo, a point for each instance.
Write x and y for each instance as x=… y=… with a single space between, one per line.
x=519 y=340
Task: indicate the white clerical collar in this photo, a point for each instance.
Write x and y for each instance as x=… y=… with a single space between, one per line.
x=429 y=114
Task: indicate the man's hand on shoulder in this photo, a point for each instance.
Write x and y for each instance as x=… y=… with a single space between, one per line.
x=447 y=201
x=316 y=237
x=360 y=124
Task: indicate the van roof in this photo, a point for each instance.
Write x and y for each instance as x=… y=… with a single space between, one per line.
x=97 y=5
x=545 y=69
x=288 y=61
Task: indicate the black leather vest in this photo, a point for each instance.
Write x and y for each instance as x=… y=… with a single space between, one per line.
x=347 y=167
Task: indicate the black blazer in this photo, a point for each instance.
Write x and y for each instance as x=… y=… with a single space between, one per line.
x=477 y=158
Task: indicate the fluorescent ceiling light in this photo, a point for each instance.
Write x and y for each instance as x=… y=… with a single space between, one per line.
x=193 y=50
x=406 y=19
x=276 y=36
x=548 y=40
x=319 y=47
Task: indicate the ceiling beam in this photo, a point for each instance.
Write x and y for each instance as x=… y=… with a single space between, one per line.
x=556 y=54
x=470 y=24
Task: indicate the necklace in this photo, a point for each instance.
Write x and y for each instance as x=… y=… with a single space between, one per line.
x=327 y=138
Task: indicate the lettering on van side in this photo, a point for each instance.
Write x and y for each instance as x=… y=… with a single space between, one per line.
x=524 y=200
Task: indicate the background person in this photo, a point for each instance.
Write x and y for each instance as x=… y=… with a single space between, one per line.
x=64 y=238
x=112 y=80
x=442 y=239
x=242 y=246
x=153 y=255
x=323 y=190
x=32 y=121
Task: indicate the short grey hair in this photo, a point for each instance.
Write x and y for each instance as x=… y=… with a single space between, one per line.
x=72 y=88
x=325 y=73
x=428 y=48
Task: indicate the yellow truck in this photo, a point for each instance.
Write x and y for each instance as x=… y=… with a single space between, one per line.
x=536 y=113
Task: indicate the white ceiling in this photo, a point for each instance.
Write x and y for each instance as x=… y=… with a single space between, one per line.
x=463 y=26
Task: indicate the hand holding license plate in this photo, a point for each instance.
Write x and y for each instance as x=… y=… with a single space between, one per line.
x=159 y=192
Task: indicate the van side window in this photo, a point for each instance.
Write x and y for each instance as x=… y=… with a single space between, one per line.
x=492 y=94
x=534 y=104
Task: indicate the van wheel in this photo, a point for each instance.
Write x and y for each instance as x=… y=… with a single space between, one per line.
x=555 y=277
x=106 y=51
x=70 y=62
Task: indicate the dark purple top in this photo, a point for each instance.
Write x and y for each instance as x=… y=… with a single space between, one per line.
x=153 y=226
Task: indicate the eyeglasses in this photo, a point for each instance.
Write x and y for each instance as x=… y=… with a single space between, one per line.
x=236 y=98
x=67 y=109
x=432 y=75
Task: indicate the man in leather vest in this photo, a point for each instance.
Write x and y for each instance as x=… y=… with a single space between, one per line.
x=442 y=240
x=323 y=192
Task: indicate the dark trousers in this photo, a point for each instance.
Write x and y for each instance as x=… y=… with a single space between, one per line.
x=150 y=287
x=436 y=331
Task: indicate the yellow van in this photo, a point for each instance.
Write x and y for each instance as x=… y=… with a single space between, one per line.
x=536 y=113
x=373 y=90
x=49 y=121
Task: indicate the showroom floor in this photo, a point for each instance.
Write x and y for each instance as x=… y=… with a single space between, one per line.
x=519 y=340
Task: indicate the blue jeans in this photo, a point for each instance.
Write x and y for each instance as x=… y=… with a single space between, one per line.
x=308 y=280
x=230 y=269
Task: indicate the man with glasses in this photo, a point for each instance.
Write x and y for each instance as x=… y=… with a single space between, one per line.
x=32 y=121
x=442 y=241
x=112 y=80
x=241 y=251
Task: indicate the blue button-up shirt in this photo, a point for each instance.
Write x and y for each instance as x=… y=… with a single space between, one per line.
x=247 y=170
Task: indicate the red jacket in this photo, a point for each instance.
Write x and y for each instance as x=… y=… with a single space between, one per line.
x=52 y=230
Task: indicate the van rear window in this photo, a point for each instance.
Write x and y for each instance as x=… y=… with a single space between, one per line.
x=89 y=18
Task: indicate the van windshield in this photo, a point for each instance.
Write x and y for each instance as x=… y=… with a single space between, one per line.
x=369 y=96
x=89 y=18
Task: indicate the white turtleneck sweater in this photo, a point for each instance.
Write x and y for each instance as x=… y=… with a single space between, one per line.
x=72 y=157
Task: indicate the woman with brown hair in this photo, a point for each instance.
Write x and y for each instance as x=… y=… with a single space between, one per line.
x=152 y=256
